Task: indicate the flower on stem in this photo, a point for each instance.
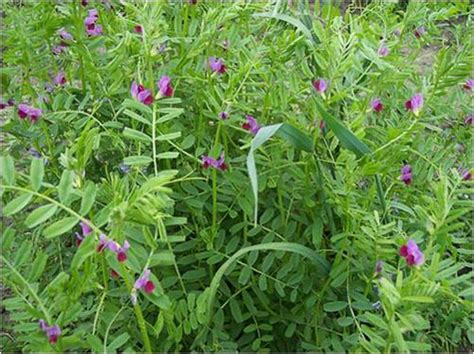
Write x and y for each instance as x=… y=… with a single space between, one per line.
x=217 y=164
x=60 y=79
x=92 y=28
x=138 y=29
x=320 y=86
x=65 y=35
x=420 y=31
x=25 y=111
x=383 y=51
x=86 y=230
x=415 y=104
x=164 y=86
x=469 y=120
x=52 y=332
x=251 y=125
x=466 y=175
x=121 y=251
x=104 y=242
x=412 y=254
x=144 y=283
x=217 y=65
x=141 y=94
x=59 y=48
x=377 y=105
x=406 y=175
x=223 y=115
x=378 y=267
x=469 y=85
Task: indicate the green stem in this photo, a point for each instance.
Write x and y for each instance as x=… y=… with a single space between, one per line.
x=104 y=271
x=214 y=206
x=153 y=142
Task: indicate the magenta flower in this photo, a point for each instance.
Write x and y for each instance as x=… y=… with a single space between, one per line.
x=193 y=2
x=223 y=115
x=144 y=283
x=10 y=102
x=25 y=111
x=92 y=28
x=164 y=86
x=322 y=125
x=469 y=120
x=383 y=51
x=121 y=251
x=420 y=31
x=84 y=2
x=65 y=35
x=141 y=94
x=378 y=267
x=469 y=85
x=415 y=103
x=406 y=175
x=104 y=242
x=412 y=253
x=251 y=125
x=320 y=85
x=466 y=175
x=217 y=65
x=217 y=164
x=52 y=332
x=138 y=29
x=60 y=79
x=86 y=230
x=377 y=105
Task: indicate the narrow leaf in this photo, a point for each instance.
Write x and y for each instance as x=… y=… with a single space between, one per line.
x=60 y=227
x=40 y=215
x=17 y=204
x=36 y=173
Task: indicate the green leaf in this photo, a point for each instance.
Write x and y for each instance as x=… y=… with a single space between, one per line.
x=136 y=135
x=137 y=117
x=17 y=204
x=137 y=160
x=118 y=342
x=345 y=136
x=38 y=266
x=40 y=215
x=419 y=298
x=86 y=249
x=168 y=155
x=376 y=320
x=295 y=137
x=335 y=306
x=312 y=255
x=88 y=198
x=167 y=137
x=137 y=105
x=60 y=227
x=7 y=169
x=288 y=19
x=65 y=186
x=235 y=310
x=36 y=173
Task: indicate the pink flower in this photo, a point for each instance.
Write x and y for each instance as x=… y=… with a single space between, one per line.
x=406 y=175
x=415 y=103
x=164 y=86
x=412 y=254
x=217 y=164
x=86 y=230
x=466 y=175
x=141 y=94
x=320 y=85
x=469 y=85
x=251 y=125
x=383 y=51
x=217 y=65
x=121 y=251
x=92 y=28
x=377 y=105
x=103 y=243
x=25 y=111
x=60 y=79
x=52 y=332
x=59 y=48
x=223 y=115
x=144 y=283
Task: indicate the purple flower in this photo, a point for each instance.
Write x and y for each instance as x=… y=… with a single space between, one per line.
x=217 y=164
x=124 y=168
x=144 y=283
x=103 y=243
x=397 y=32
x=25 y=111
x=86 y=229
x=60 y=79
x=164 y=86
x=466 y=175
x=138 y=29
x=193 y=2
x=141 y=94
x=379 y=267
x=251 y=125
x=377 y=105
x=35 y=153
x=84 y=2
x=52 y=332
x=320 y=85
x=420 y=31
x=65 y=35
x=322 y=125
x=469 y=85
x=217 y=65
x=121 y=251
x=59 y=48
x=223 y=115
x=406 y=176
x=383 y=51
x=469 y=120
x=415 y=103
x=92 y=28
x=11 y=102
x=412 y=253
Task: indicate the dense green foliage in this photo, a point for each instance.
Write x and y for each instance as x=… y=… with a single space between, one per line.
x=276 y=253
